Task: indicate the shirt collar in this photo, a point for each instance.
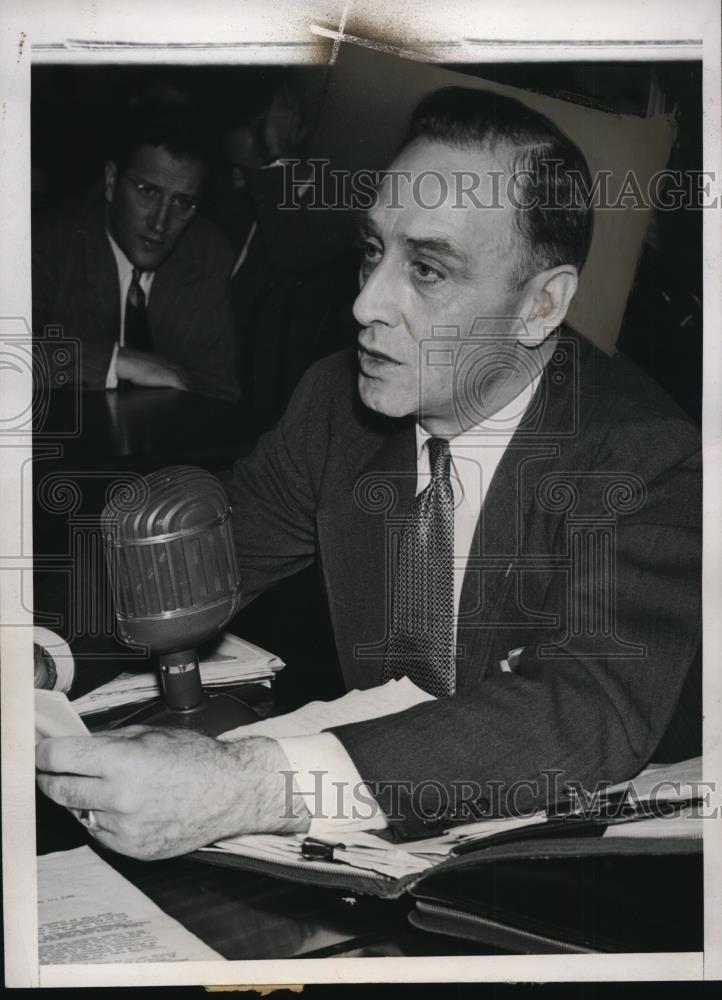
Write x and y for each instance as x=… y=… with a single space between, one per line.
x=125 y=268
x=503 y=423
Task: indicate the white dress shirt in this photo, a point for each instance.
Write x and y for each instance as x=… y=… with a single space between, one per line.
x=125 y=277
x=325 y=776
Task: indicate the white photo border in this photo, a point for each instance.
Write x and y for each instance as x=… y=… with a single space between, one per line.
x=223 y=31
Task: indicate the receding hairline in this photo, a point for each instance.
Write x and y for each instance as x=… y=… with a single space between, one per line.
x=502 y=148
x=506 y=153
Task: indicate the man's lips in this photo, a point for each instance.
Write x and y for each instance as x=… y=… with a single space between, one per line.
x=368 y=353
x=153 y=241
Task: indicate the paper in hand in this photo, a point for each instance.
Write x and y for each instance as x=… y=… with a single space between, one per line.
x=55 y=716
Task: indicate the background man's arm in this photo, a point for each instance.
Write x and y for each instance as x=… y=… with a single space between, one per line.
x=55 y=260
x=150 y=370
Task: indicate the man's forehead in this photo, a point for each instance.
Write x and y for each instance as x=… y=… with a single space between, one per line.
x=433 y=167
x=158 y=165
x=434 y=190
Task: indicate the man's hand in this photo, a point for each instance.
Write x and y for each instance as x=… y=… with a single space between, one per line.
x=157 y=793
x=150 y=370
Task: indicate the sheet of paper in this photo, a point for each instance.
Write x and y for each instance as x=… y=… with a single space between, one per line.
x=88 y=913
x=688 y=825
x=56 y=716
x=365 y=851
x=665 y=781
x=356 y=706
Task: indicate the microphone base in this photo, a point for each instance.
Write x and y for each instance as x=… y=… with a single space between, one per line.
x=217 y=713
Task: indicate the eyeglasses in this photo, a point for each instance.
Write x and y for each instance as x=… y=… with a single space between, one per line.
x=148 y=195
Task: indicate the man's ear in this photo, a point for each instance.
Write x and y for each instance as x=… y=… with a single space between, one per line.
x=549 y=296
x=111 y=179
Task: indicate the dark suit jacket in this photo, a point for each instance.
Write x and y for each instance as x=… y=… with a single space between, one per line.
x=75 y=285
x=606 y=646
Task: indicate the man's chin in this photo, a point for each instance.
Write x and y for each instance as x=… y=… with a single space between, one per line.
x=149 y=258
x=378 y=395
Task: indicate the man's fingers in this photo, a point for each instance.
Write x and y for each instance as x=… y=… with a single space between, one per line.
x=69 y=755
x=75 y=793
x=94 y=756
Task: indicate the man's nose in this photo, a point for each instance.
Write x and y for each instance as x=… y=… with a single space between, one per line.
x=160 y=215
x=378 y=299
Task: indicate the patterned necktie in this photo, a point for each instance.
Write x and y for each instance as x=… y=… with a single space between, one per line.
x=137 y=333
x=421 y=638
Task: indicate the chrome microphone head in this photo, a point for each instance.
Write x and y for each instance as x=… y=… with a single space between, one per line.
x=171 y=560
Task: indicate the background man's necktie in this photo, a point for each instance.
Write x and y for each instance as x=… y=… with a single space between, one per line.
x=137 y=333
x=421 y=639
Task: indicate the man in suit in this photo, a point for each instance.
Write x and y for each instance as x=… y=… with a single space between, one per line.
x=136 y=274
x=500 y=512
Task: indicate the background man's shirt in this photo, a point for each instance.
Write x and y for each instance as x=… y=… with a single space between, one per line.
x=125 y=277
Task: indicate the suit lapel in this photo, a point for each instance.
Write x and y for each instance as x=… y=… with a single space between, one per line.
x=381 y=484
x=492 y=618
x=177 y=274
x=102 y=292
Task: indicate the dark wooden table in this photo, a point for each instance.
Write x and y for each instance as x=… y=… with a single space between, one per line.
x=140 y=429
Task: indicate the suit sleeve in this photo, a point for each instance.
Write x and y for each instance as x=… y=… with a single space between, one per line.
x=273 y=496
x=209 y=356
x=511 y=743
x=58 y=288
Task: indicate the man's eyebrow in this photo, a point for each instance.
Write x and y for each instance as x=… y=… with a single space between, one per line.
x=193 y=196
x=365 y=226
x=437 y=245
x=431 y=244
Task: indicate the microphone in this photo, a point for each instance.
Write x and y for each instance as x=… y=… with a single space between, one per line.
x=176 y=583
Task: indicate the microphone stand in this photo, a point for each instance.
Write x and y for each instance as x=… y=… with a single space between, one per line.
x=185 y=704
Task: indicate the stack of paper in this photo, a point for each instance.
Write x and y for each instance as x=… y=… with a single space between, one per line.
x=88 y=913
x=371 y=852
x=230 y=661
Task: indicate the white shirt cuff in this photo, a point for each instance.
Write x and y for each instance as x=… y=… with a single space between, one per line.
x=331 y=787
x=111 y=379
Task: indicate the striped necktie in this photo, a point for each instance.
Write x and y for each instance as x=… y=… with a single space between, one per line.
x=421 y=638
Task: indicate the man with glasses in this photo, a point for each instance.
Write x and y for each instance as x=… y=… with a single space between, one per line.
x=138 y=276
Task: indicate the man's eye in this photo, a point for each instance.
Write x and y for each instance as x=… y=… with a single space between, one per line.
x=183 y=203
x=148 y=190
x=370 y=251
x=426 y=273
